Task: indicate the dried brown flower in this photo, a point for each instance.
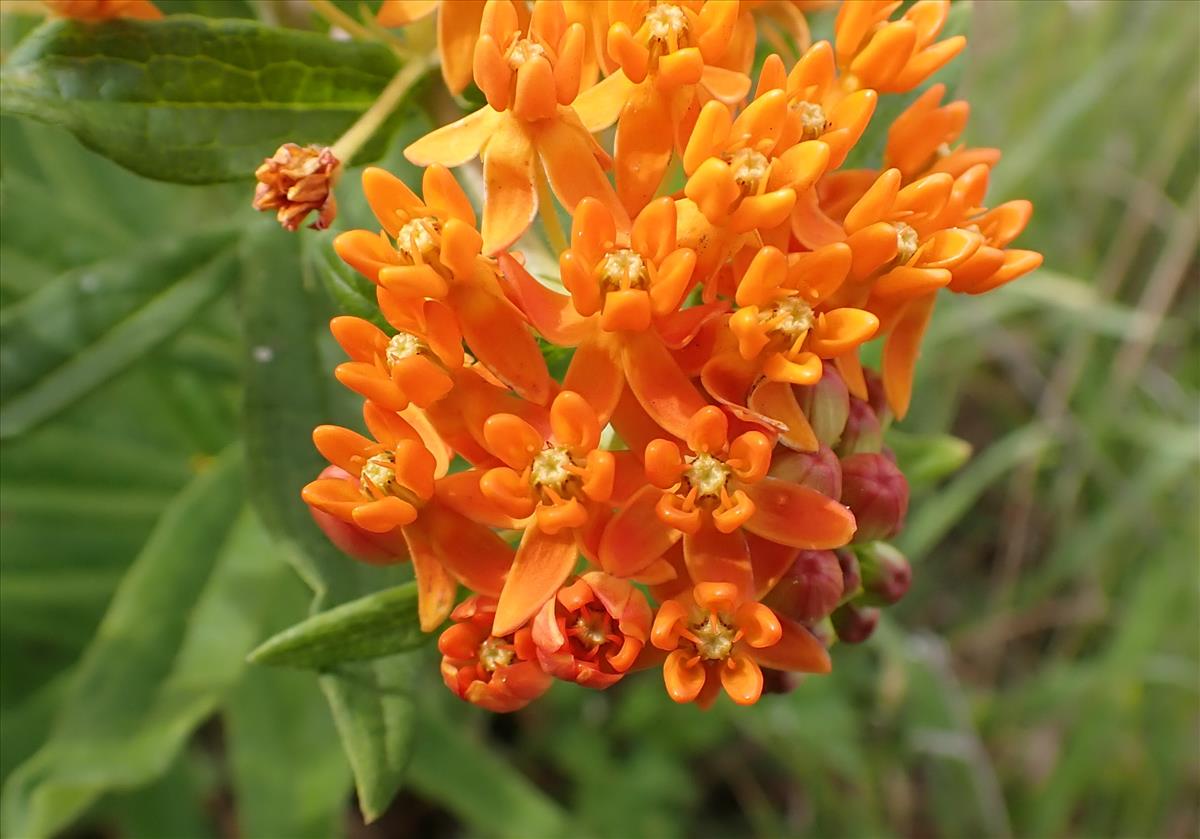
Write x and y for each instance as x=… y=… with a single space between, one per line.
x=297 y=180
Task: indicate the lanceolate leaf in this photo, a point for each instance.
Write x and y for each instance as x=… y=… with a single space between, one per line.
x=285 y=399
x=191 y=99
x=378 y=625
x=169 y=647
x=78 y=332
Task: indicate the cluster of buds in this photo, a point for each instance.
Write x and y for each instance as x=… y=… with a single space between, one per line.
x=707 y=490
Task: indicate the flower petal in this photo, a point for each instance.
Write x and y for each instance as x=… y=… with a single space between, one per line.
x=435 y=587
x=568 y=153
x=500 y=338
x=795 y=515
x=900 y=352
x=643 y=147
x=595 y=374
x=662 y=388
x=511 y=202
x=797 y=650
x=636 y=537
x=715 y=557
x=543 y=562
x=475 y=555
x=599 y=106
x=454 y=144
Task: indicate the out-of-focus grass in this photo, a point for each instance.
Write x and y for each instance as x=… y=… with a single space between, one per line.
x=1041 y=679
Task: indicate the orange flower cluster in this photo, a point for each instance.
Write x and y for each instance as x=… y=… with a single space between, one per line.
x=706 y=490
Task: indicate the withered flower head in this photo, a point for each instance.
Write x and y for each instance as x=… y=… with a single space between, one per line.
x=297 y=180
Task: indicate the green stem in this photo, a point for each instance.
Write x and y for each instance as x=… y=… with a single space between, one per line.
x=389 y=98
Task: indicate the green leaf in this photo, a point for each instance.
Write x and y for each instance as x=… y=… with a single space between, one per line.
x=351 y=292
x=375 y=626
x=478 y=786
x=78 y=332
x=191 y=99
x=170 y=646
x=285 y=399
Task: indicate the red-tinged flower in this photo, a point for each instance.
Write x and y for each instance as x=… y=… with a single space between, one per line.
x=98 y=10
x=783 y=329
x=392 y=486
x=622 y=313
x=893 y=56
x=499 y=673
x=530 y=78
x=592 y=631
x=820 y=104
x=457 y=29
x=668 y=54
x=430 y=248
x=712 y=497
x=414 y=366
x=296 y=181
x=811 y=588
x=716 y=638
x=742 y=174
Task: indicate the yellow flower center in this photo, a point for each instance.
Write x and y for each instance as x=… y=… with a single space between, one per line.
x=707 y=474
x=667 y=22
x=522 y=50
x=714 y=638
x=379 y=475
x=812 y=119
x=403 y=345
x=419 y=238
x=623 y=269
x=591 y=633
x=551 y=468
x=494 y=653
x=750 y=169
x=906 y=242
x=790 y=316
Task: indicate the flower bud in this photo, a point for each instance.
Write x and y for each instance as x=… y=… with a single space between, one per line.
x=297 y=180
x=877 y=493
x=499 y=674
x=810 y=589
x=779 y=681
x=826 y=404
x=855 y=624
x=886 y=574
x=851 y=576
x=819 y=470
x=352 y=540
x=863 y=433
x=877 y=396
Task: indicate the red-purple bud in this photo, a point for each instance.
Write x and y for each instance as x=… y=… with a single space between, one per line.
x=855 y=624
x=779 y=681
x=826 y=405
x=819 y=470
x=811 y=588
x=851 y=576
x=876 y=492
x=886 y=574
x=863 y=432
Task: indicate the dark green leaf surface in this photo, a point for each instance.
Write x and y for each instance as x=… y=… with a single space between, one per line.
x=285 y=400
x=169 y=647
x=191 y=99
x=375 y=626
x=74 y=334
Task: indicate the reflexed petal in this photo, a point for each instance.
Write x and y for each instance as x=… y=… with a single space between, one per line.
x=454 y=144
x=457 y=31
x=595 y=374
x=404 y=12
x=550 y=313
x=460 y=492
x=543 y=562
x=797 y=650
x=728 y=86
x=599 y=106
x=715 y=557
x=475 y=555
x=636 y=537
x=643 y=147
x=499 y=337
x=660 y=386
x=900 y=351
x=795 y=515
x=510 y=203
x=567 y=152
x=777 y=400
x=770 y=562
x=435 y=587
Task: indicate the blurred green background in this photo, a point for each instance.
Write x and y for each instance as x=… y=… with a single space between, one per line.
x=1042 y=678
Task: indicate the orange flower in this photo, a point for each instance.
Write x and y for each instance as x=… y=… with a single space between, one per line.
x=392 y=484
x=622 y=312
x=708 y=496
x=592 y=631
x=457 y=28
x=920 y=139
x=530 y=80
x=97 y=10
x=717 y=638
x=430 y=248
x=499 y=673
x=782 y=25
x=667 y=53
x=893 y=56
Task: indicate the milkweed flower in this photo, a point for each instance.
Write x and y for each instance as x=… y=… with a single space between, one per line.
x=499 y=673
x=716 y=639
x=592 y=631
x=98 y=10
x=706 y=485
x=296 y=181
x=530 y=78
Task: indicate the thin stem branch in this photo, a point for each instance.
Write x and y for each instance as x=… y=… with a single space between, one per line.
x=340 y=19
x=389 y=98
